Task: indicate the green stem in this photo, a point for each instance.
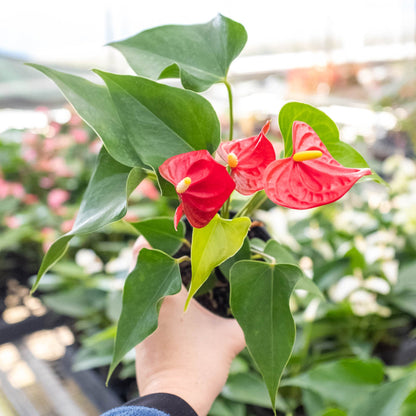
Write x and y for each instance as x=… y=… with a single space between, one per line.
x=252 y=204
x=180 y=260
x=271 y=259
x=230 y=105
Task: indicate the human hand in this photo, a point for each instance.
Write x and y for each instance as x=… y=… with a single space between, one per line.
x=189 y=354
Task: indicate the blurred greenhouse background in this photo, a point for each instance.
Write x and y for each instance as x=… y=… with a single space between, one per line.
x=354 y=60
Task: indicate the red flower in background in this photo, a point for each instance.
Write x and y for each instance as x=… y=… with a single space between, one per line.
x=248 y=159
x=202 y=185
x=311 y=177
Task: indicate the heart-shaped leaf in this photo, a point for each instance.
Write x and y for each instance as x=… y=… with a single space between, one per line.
x=213 y=244
x=162 y=121
x=199 y=54
x=161 y=234
x=327 y=131
x=104 y=201
x=155 y=276
x=94 y=104
x=260 y=294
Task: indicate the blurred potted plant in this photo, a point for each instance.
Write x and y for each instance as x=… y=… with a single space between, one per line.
x=170 y=134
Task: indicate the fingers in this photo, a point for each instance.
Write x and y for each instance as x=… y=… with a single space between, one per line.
x=140 y=243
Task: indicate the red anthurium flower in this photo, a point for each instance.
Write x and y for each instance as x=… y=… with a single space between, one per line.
x=311 y=177
x=248 y=159
x=202 y=184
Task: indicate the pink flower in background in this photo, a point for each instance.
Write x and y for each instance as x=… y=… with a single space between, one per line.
x=148 y=189
x=67 y=225
x=4 y=188
x=29 y=155
x=75 y=120
x=131 y=217
x=95 y=146
x=29 y=139
x=16 y=189
x=12 y=221
x=30 y=199
x=57 y=197
x=46 y=182
x=80 y=135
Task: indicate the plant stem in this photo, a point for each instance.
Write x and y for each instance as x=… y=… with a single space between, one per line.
x=252 y=204
x=271 y=259
x=230 y=106
x=180 y=260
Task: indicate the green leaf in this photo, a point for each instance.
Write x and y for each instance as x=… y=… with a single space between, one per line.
x=408 y=408
x=343 y=382
x=280 y=253
x=162 y=121
x=78 y=302
x=242 y=254
x=386 y=400
x=161 y=234
x=283 y=256
x=213 y=244
x=104 y=201
x=199 y=54
x=249 y=388
x=403 y=295
x=260 y=294
x=94 y=104
x=325 y=128
x=334 y=412
x=155 y=276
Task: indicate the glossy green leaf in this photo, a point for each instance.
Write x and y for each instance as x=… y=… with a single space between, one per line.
x=342 y=382
x=104 y=201
x=94 y=104
x=386 y=400
x=260 y=294
x=213 y=244
x=280 y=253
x=161 y=234
x=162 y=121
x=283 y=256
x=325 y=128
x=155 y=276
x=199 y=54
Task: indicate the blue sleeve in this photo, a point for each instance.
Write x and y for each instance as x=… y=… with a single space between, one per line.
x=158 y=404
x=134 y=411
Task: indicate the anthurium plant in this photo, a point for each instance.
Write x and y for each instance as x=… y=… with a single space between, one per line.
x=150 y=129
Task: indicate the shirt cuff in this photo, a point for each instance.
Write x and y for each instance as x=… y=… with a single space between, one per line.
x=166 y=402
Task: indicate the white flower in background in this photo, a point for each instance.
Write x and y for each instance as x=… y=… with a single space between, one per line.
x=306 y=264
x=376 y=284
x=391 y=270
x=379 y=246
x=89 y=261
x=309 y=315
x=277 y=223
x=344 y=287
x=350 y=220
x=121 y=263
x=324 y=248
x=365 y=303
